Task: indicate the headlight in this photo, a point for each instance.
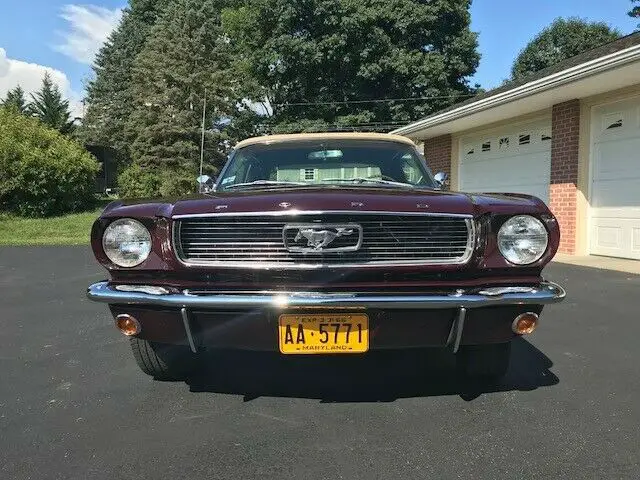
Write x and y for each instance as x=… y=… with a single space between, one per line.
x=126 y=242
x=522 y=240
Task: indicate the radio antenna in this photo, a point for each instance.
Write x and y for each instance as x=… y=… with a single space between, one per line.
x=204 y=116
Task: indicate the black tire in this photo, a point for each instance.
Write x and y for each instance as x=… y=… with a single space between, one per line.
x=162 y=361
x=484 y=362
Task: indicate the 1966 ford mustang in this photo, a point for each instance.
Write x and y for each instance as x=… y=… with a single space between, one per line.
x=327 y=244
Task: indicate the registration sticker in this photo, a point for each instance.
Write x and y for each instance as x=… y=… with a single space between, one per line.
x=228 y=180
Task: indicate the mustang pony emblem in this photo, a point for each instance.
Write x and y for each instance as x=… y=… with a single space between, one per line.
x=318 y=239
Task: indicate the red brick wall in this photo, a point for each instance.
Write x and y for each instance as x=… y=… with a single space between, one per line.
x=565 y=126
x=437 y=151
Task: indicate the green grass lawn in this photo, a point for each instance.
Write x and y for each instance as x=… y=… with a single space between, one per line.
x=72 y=229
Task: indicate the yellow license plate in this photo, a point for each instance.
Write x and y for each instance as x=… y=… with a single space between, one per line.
x=323 y=334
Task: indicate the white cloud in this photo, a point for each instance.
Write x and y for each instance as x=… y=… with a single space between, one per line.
x=29 y=77
x=89 y=26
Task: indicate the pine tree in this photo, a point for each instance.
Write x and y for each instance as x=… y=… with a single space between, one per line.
x=15 y=100
x=185 y=55
x=50 y=107
x=109 y=98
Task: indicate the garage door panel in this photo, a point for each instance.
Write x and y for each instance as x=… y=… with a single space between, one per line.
x=528 y=164
x=540 y=191
x=623 y=213
x=616 y=174
x=476 y=178
x=616 y=237
x=531 y=177
x=635 y=242
x=608 y=234
x=616 y=193
x=511 y=187
x=513 y=160
x=615 y=181
x=616 y=160
x=526 y=180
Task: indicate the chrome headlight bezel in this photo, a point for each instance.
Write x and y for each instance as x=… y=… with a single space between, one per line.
x=126 y=242
x=523 y=240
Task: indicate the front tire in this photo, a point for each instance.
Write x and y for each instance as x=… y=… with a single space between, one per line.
x=484 y=362
x=162 y=361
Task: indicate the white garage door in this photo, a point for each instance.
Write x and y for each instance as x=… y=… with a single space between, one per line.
x=515 y=160
x=615 y=180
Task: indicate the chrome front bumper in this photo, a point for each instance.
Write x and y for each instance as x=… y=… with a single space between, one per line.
x=541 y=294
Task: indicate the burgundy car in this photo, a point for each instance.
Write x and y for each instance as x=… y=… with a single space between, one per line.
x=329 y=244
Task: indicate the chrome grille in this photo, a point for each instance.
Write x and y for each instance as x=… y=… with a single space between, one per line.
x=258 y=242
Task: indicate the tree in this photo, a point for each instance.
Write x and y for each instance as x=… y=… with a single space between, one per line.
x=15 y=100
x=635 y=10
x=185 y=54
x=109 y=98
x=308 y=64
x=50 y=107
x=42 y=172
x=335 y=63
x=561 y=40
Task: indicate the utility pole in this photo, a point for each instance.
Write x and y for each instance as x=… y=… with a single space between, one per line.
x=204 y=117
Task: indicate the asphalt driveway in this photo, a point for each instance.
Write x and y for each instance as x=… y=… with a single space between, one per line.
x=74 y=405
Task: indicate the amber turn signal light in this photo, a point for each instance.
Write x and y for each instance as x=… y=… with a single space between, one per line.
x=128 y=325
x=525 y=324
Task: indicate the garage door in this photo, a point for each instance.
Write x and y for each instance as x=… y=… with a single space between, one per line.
x=516 y=160
x=615 y=180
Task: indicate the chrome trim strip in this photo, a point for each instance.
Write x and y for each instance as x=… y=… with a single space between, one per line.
x=294 y=212
x=542 y=294
x=260 y=265
x=495 y=291
x=143 y=288
x=187 y=329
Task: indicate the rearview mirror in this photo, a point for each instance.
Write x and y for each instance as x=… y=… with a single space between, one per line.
x=442 y=180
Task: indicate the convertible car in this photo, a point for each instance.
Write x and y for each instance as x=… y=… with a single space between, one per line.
x=326 y=244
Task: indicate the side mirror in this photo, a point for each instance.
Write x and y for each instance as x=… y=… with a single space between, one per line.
x=205 y=183
x=442 y=180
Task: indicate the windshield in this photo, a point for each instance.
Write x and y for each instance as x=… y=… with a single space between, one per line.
x=344 y=162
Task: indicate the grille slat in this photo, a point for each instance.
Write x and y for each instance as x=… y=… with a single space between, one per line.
x=257 y=245
x=370 y=247
x=386 y=239
x=278 y=233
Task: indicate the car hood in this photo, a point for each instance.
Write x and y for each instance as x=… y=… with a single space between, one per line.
x=402 y=200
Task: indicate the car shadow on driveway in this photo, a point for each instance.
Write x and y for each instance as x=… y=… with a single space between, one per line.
x=376 y=377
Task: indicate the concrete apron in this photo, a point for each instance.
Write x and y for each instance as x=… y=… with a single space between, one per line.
x=604 y=263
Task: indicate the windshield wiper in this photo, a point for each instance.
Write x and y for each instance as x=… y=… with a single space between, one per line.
x=263 y=182
x=378 y=181
x=356 y=180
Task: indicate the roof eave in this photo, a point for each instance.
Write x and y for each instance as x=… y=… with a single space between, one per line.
x=584 y=70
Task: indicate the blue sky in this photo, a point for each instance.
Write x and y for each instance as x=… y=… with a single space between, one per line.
x=30 y=28
x=506 y=26
x=61 y=36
